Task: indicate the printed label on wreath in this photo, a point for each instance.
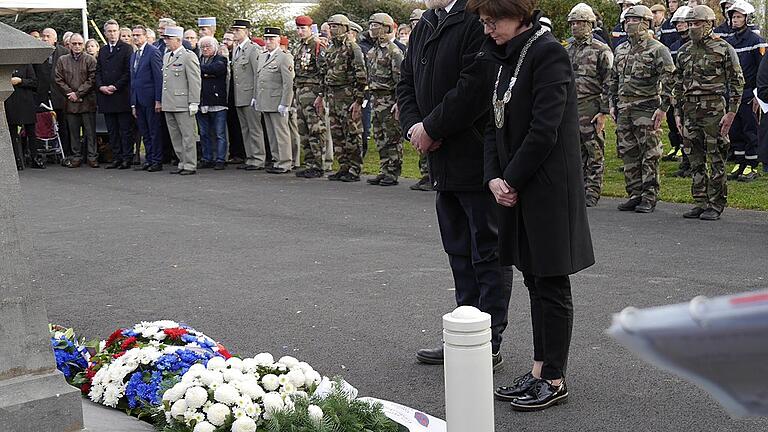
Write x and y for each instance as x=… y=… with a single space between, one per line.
x=414 y=420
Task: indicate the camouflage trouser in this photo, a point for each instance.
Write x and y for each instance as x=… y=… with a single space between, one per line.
x=592 y=148
x=387 y=134
x=701 y=137
x=640 y=147
x=347 y=134
x=423 y=165
x=311 y=128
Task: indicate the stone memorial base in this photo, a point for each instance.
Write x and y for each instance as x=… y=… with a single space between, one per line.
x=35 y=403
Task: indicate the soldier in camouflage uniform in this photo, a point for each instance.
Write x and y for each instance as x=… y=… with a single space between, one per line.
x=383 y=61
x=592 y=61
x=345 y=83
x=640 y=90
x=309 y=64
x=708 y=68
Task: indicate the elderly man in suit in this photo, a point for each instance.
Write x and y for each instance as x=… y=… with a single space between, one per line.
x=113 y=95
x=47 y=91
x=274 y=98
x=245 y=62
x=181 y=99
x=146 y=96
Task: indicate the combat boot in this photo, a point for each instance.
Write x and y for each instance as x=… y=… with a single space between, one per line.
x=348 y=177
x=423 y=185
x=671 y=156
x=710 y=214
x=388 y=180
x=645 y=206
x=376 y=180
x=735 y=172
x=591 y=201
x=337 y=176
x=630 y=205
x=748 y=175
x=693 y=213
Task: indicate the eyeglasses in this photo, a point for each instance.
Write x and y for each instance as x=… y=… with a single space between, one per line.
x=75 y=43
x=490 y=24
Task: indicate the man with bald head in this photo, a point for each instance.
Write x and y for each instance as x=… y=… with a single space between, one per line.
x=47 y=91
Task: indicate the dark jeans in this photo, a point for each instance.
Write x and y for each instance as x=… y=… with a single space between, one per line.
x=88 y=122
x=213 y=123
x=149 y=126
x=552 y=322
x=469 y=233
x=120 y=129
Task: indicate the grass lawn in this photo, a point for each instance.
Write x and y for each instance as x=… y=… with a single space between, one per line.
x=752 y=195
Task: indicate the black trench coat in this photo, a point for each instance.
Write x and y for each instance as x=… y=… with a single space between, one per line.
x=20 y=107
x=538 y=153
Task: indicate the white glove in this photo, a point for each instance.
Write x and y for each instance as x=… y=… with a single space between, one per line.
x=193 y=108
x=254 y=104
x=283 y=110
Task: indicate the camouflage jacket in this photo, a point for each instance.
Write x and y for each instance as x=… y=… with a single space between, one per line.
x=643 y=71
x=384 y=67
x=309 y=63
x=346 y=68
x=710 y=68
x=592 y=61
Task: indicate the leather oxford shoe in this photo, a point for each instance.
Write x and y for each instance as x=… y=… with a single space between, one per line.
x=155 y=168
x=541 y=396
x=433 y=356
x=187 y=172
x=125 y=165
x=114 y=165
x=519 y=388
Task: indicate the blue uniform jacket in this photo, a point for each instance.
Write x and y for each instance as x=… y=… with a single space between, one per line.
x=618 y=36
x=668 y=34
x=750 y=48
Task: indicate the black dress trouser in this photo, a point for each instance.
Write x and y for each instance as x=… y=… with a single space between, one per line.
x=552 y=322
x=469 y=232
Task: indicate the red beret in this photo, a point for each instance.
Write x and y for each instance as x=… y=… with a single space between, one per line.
x=303 y=21
x=259 y=41
x=283 y=40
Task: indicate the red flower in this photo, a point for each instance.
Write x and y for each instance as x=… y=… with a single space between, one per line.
x=223 y=351
x=85 y=388
x=118 y=334
x=128 y=343
x=175 y=333
x=90 y=373
x=118 y=355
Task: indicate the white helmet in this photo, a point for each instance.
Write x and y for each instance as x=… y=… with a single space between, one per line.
x=633 y=2
x=741 y=6
x=680 y=14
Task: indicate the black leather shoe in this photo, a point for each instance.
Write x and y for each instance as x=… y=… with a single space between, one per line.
x=219 y=166
x=155 y=168
x=629 y=205
x=143 y=167
x=693 y=213
x=310 y=173
x=125 y=165
x=177 y=171
x=710 y=214
x=252 y=168
x=37 y=163
x=187 y=172
x=336 y=176
x=114 y=165
x=497 y=361
x=376 y=180
x=519 y=388
x=275 y=170
x=431 y=356
x=349 y=178
x=645 y=206
x=206 y=164
x=541 y=396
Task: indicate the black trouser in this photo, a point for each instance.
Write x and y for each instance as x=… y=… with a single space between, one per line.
x=121 y=138
x=552 y=322
x=743 y=134
x=61 y=119
x=22 y=146
x=469 y=232
x=236 y=146
x=86 y=121
x=675 y=139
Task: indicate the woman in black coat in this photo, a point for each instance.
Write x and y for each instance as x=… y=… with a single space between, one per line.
x=533 y=168
x=20 y=109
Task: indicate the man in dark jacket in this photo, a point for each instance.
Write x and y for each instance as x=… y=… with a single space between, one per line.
x=113 y=94
x=146 y=95
x=444 y=114
x=47 y=91
x=212 y=118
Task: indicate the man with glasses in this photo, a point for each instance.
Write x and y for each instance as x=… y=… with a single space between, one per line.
x=212 y=117
x=146 y=96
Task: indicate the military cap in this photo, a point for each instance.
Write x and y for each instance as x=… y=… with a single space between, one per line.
x=173 y=32
x=271 y=32
x=339 y=19
x=241 y=23
x=206 y=22
x=303 y=20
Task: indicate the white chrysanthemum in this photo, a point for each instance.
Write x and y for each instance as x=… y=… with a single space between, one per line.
x=196 y=369
x=214 y=385
x=234 y=363
x=300 y=394
x=216 y=363
x=283 y=379
x=273 y=402
x=315 y=413
x=244 y=424
x=238 y=412
x=206 y=406
x=150 y=332
x=264 y=359
x=171 y=395
x=289 y=361
x=305 y=367
x=196 y=397
x=270 y=382
x=242 y=401
x=288 y=388
x=231 y=375
x=166 y=324
x=217 y=414
x=249 y=365
x=192 y=416
x=97 y=391
x=251 y=388
x=312 y=378
x=112 y=395
x=209 y=377
x=297 y=377
x=160 y=335
x=102 y=345
x=178 y=408
x=226 y=393
x=204 y=427
x=253 y=410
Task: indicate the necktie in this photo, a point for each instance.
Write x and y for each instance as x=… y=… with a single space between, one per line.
x=110 y=48
x=268 y=56
x=441 y=13
x=237 y=52
x=136 y=62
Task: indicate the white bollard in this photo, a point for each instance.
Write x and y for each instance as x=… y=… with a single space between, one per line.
x=468 y=370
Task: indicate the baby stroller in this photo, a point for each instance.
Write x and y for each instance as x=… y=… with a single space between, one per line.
x=47 y=132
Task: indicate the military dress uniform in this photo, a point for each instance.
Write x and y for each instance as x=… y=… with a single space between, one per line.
x=345 y=82
x=383 y=75
x=245 y=62
x=640 y=83
x=592 y=61
x=181 y=92
x=707 y=70
x=309 y=66
x=274 y=98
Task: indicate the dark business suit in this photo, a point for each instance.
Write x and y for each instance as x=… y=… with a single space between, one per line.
x=114 y=68
x=146 y=90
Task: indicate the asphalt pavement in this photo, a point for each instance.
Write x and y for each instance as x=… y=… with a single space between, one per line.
x=352 y=279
